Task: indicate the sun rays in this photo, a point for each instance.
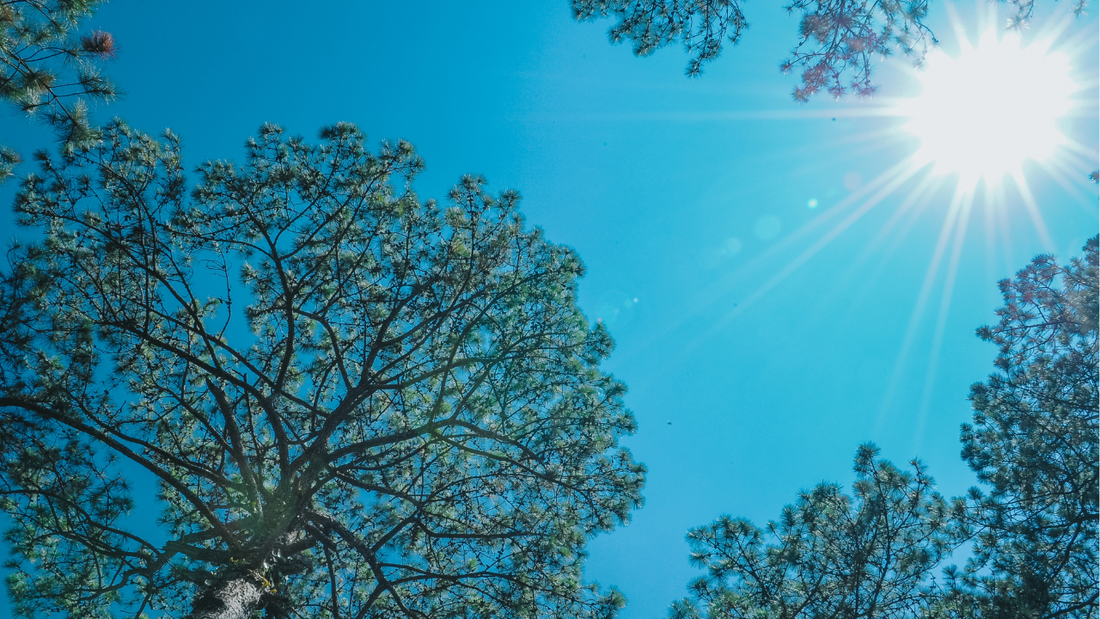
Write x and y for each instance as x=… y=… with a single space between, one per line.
x=996 y=104
x=980 y=118
x=938 y=178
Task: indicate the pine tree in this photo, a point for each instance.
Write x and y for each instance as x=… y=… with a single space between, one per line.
x=837 y=40
x=1034 y=445
x=48 y=70
x=356 y=403
x=829 y=554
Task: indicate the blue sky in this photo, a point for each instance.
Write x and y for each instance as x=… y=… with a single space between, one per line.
x=688 y=201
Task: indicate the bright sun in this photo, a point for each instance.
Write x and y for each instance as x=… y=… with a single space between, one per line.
x=983 y=113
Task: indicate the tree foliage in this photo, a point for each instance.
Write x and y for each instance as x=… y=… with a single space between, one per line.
x=828 y=555
x=1033 y=530
x=1034 y=445
x=48 y=69
x=356 y=403
x=837 y=41
x=653 y=24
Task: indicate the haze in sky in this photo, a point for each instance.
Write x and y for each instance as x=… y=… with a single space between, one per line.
x=782 y=282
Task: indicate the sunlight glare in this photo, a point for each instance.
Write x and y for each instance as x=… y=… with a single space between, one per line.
x=983 y=113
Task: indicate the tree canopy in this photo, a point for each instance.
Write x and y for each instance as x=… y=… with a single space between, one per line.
x=48 y=69
x=355 y=403
x=1034 y=446
x=837 y=41
x=830 y=555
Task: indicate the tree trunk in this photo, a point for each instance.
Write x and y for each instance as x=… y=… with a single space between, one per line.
x=233 y=598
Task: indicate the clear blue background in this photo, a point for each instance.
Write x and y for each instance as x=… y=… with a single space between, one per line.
x=769 y=376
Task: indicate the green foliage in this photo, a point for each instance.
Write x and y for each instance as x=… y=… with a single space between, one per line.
x=837 y=40
x=8 y=160
x=362 y=403
x=1033 y=443
x=653 y=24
x=828 y=555
x=47 y=70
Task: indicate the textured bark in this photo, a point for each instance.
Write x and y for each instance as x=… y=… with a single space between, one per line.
x=228 y=599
